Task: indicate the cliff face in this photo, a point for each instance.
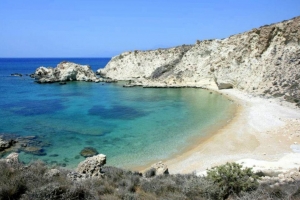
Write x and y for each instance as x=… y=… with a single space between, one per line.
x=263 y=61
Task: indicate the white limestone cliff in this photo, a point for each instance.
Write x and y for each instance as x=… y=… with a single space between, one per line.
x=263 y=61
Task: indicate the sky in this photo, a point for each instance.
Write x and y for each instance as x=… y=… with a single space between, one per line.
x=105 y=28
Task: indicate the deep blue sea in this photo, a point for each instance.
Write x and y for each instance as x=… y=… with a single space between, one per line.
x=132 y=126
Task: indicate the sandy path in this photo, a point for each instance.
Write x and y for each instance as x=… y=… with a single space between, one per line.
x=262 y=130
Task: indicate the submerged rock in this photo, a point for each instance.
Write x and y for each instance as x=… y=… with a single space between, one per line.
x=88 y=152
x=34 y=150
x=16 y=74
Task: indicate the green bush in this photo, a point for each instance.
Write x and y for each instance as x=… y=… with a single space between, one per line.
x=232 y=179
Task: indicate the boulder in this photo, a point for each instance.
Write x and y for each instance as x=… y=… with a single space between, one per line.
x=160 y=168
x=225 y=86
x=156 y=169
x=91 y=167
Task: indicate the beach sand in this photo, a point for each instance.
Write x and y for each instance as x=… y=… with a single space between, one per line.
x=262 y=130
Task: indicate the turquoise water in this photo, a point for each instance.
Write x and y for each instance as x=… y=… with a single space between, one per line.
x=132 y=126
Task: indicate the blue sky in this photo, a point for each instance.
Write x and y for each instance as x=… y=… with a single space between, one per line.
x=96 y=28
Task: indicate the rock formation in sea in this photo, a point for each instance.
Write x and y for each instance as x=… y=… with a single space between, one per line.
x=65 y=71
x=263 y=61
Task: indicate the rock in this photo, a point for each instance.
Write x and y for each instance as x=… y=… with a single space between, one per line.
x=12 y=158
x=62 y=83
x=65 y=71
x=160 y=168
x=5 y=144
x=224 y=85
x=88 y=152
x=91 y=167
x=16 y=74
x=156 y=169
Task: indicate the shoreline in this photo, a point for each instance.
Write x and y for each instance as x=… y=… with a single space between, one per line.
x=261 y=130
x=195 y=141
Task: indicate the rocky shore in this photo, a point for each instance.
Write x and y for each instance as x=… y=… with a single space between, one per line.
x=67 y=71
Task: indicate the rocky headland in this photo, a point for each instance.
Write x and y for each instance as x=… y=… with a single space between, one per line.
x=263 y=61
x=67 y=71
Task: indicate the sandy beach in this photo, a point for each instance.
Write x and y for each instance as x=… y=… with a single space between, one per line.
x=265 y=133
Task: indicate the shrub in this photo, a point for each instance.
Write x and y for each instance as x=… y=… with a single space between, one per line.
x=232 y=179
x=12 y=184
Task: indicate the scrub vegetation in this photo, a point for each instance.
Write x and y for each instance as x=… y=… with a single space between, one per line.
x=229 y=181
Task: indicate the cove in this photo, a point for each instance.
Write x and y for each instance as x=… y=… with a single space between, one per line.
x=132 y=126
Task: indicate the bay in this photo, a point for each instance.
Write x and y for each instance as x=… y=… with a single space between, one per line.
x=132 y=126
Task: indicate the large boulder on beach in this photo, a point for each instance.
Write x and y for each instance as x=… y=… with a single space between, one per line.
x=91 y=167
x=65 y=71
x=156 y=169
x=160 y=168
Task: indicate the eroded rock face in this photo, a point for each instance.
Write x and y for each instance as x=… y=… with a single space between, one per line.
x=263 y=61
x=91 y=167
x=65 y=71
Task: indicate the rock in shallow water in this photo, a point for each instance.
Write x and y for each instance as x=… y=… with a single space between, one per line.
x=88 y=152
x=35 y=150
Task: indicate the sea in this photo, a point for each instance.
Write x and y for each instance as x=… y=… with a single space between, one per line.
x=132 y=126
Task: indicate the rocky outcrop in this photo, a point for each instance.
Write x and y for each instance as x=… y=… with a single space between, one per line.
x=91 y=167
x=5 y=144
x=264 y=61
x=65 y=71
